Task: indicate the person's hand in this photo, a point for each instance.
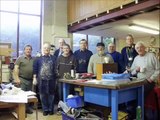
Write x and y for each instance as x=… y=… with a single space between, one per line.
x=125 y=71
x=18 y=81
x=138 y=69
x=149 y=80
x=34 y=81
x=108 y=72
x=128 y=69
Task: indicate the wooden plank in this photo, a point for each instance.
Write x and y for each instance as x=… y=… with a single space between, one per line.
x=6 y=51
x=101 y=85
x=125 y=11
x=21 y=111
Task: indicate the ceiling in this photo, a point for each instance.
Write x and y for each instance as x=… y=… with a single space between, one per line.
x=120 y=28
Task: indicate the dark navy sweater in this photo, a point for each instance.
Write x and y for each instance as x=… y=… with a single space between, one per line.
x=126 y=53
x=82 y=58
x=117 y=57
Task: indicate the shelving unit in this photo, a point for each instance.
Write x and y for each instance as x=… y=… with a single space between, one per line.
x=4 y=52
x=0 y=69
x=154 y=49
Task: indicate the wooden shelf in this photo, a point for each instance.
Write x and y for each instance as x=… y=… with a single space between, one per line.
x=0 y=69
x=154 y=49
x=157 y=47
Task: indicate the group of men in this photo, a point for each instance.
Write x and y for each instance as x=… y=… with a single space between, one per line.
x=46 y=69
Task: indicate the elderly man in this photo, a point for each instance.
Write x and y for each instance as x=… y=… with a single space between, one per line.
x=99 y=57
x=117 y=57
x=82 y=56
x=23 y=71
x=145 y=66
x=59 y=51
x=44 y=69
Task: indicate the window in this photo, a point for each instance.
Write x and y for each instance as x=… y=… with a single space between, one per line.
x=76 y=39
x=20 y=24
x=93 y=40
x=8 y=29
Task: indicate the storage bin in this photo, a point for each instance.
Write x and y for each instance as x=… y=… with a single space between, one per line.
x=66 y=117
x=75 y=102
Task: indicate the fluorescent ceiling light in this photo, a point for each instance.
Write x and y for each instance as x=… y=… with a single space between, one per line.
x=144 y=29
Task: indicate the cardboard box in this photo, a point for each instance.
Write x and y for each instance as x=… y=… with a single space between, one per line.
x=102 y=68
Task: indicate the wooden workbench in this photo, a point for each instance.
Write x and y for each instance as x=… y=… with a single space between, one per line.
x=20 y=107
x=108 y=95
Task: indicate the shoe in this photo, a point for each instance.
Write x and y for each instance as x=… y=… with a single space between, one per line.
x=58 y=113
x=45 y=113
x=50 y=112
x=29 y=111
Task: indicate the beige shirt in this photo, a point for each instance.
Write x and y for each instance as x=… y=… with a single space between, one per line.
x=98 y=59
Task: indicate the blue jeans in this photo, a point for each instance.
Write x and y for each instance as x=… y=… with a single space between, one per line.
x=47 y=101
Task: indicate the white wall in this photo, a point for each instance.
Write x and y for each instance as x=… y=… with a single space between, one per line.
x=54 y=23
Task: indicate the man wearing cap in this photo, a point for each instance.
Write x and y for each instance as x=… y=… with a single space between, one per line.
x=99 y=57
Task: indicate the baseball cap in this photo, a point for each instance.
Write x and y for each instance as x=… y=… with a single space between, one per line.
x=100 y=44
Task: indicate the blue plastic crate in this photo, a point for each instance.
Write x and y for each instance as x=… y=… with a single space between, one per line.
x=66 y=117
x=75 y=102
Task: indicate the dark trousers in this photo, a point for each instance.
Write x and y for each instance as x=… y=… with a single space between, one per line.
x=148 y=113
x=26 y=85
x=148 y=87
x=47 y=101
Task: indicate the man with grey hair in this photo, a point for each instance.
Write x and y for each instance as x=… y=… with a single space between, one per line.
x=59 y=51
x=145 y=66
x=44 y=70
x=117 y=57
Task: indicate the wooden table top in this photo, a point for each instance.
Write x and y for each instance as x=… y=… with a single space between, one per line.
x=103 y=84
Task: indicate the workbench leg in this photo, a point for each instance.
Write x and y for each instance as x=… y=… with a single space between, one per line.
x=141 y=99
x=36 y=111
x=114 y=104
x=65 y=91
x=21 y=111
